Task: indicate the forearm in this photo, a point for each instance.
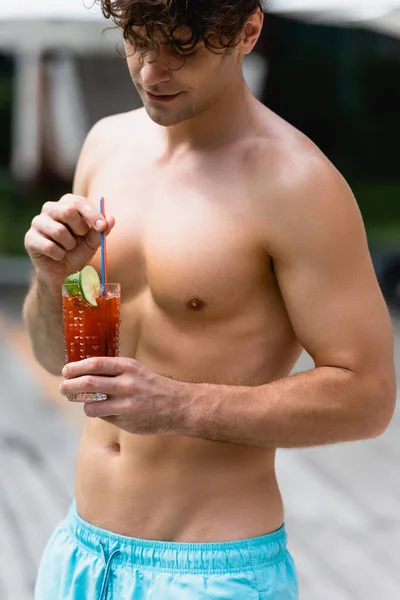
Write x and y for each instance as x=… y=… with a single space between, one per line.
x=323 y=406
x=43 y=320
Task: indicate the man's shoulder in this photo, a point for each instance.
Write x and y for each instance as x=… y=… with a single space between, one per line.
x=110 y=129
x=104 y=141
x=277 y=144
x=295 y=186
x=290 y=167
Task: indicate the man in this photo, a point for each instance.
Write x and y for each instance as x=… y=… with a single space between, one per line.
x=237 y=244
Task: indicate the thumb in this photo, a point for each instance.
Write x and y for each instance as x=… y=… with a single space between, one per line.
x=92 y=238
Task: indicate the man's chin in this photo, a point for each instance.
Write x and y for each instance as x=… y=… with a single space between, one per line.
x=165 y=118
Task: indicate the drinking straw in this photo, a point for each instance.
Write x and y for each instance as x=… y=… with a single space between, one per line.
x=104 y=277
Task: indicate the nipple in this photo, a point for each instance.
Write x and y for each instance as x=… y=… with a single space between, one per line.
x=195 y=303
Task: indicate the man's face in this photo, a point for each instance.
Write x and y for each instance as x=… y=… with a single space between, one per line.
x=172 y=93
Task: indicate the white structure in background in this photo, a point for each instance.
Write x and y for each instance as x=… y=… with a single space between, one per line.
x=37 y=25
x=50 y=117
x=381 y=15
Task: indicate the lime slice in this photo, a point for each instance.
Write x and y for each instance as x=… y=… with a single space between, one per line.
x=89 y=284
x=72 y=284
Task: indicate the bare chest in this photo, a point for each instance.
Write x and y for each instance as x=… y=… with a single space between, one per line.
x=189 y=242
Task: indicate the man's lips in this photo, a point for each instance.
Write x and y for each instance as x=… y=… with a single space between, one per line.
x=160 y=97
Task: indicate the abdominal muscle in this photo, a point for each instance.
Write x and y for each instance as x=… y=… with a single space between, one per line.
x=175 y=488
x=181 y=488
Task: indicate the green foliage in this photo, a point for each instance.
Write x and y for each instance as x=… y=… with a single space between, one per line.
x=18 y=206
x=5 y=92
x=379 y=202
x=6 y=96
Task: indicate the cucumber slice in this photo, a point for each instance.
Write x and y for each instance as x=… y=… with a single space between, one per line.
x=89 y=284
x=72 y=284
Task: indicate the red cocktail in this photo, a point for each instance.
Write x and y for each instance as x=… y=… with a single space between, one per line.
x=91 y=330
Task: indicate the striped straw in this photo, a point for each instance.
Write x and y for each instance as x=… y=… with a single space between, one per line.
x=103 y=245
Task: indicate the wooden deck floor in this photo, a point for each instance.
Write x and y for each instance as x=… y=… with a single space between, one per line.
x=342 y=503
x=37 y=449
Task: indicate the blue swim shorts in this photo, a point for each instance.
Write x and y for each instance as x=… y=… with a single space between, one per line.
x=82 y=562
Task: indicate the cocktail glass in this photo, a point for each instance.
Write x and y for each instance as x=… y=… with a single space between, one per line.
x=91 y=330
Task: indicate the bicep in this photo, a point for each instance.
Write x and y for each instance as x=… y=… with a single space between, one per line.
x=329 y=287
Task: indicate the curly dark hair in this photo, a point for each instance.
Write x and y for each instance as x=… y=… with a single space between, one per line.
x=216 y=23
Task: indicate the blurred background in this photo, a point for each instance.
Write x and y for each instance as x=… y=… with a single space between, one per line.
x=330 y=68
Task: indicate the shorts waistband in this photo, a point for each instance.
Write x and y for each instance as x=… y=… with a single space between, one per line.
x=226 y=557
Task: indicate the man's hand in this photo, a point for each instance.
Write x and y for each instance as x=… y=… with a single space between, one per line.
x=65 y=237
x=139 y=401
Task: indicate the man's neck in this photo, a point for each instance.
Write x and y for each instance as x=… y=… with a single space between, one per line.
x=221 y=123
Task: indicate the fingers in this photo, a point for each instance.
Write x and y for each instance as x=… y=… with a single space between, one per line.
x=55 y=231
x=92 y=238
x=77 y=213
x=110 y=225
x=87 y=384
x=71 y=204
x=71 y=225
x=38 y=245
x=106 y=366
x=106 y=408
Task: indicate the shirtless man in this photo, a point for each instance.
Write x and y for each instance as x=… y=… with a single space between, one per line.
x=237 y=244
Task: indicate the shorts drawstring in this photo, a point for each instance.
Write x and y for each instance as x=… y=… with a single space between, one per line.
x=106 y=577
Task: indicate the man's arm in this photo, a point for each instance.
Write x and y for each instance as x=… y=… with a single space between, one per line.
x=59 y=242
x=316 y=236
x=43 y=320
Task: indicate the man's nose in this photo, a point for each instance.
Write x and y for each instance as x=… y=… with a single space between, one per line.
x=154 y=72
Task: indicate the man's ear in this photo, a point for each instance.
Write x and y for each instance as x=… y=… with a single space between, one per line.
x=252 y=31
